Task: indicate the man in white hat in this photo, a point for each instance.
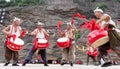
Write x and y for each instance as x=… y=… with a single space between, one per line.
x=103 y=18
x=68 y=54
x=38 y=33
x=10 y=30
x=104 y=22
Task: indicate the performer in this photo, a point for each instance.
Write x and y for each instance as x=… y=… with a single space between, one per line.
x=39 y=33
x=10 y=30
x=69 y=52
x=105 y=22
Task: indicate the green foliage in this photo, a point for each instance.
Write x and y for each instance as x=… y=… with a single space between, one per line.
x=22 y=2
x=31 y=2
x=79 y=2
x=92 y=0
x=103 y=6
x=77 y=36
x=118 y=1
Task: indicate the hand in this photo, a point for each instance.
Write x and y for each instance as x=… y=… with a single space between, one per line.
x=9 y=34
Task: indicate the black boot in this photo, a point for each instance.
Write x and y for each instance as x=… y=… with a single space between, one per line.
x=62 y=63
x=71 y=64
x=106 y=64
x=15 y=64
x=46 y=64
x=6 y=64
x=24 y=64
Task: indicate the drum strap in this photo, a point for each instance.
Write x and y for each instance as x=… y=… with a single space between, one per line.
x=12 y=29
x=12 y=36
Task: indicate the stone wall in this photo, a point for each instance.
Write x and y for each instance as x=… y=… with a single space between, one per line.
x=56 y=10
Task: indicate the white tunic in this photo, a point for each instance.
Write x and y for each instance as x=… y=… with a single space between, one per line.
x=39 y=34
x=69 y=34
x=12 y=30
x=103 y=23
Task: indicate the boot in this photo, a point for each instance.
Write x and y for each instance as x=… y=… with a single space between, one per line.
x=107 y=61
x=107 y=64
x=24 y=64
x=46 y=64
x=71 y=64
x=15 y=65
x=6 y=64
x=62 y=63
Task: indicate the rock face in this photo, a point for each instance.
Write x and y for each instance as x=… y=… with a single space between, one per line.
x=56 y=10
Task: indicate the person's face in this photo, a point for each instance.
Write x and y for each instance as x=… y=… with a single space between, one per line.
x=17 y=23
x=40 y=26
x=68 y=27
x=97 y=14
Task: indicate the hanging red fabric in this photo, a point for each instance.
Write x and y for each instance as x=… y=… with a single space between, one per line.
x=59 y=25
x=35 y=43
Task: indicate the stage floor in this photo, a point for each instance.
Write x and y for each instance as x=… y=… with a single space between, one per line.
x=56 y=66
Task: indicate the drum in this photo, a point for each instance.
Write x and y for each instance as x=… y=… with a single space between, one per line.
x=92 y=52
x=16 y=44
x=97 y=38
x=63 y=42
x=42 y=44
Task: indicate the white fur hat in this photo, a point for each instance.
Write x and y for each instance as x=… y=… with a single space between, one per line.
x=15 y=19
x=98 y=9
x=39 y=23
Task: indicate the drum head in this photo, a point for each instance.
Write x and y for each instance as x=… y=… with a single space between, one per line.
x=100 y=42
x=42 y=41
x=18 y=41
x=64 y=39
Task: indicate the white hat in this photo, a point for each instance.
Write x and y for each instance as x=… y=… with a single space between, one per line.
x=98 y=9
x=39 y=23
x=15 y=19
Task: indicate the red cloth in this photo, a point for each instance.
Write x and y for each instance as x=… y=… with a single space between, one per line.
x=92 y=25
x=77 y=15
x=23 y=33
x=35 y=43
x=59 y=24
